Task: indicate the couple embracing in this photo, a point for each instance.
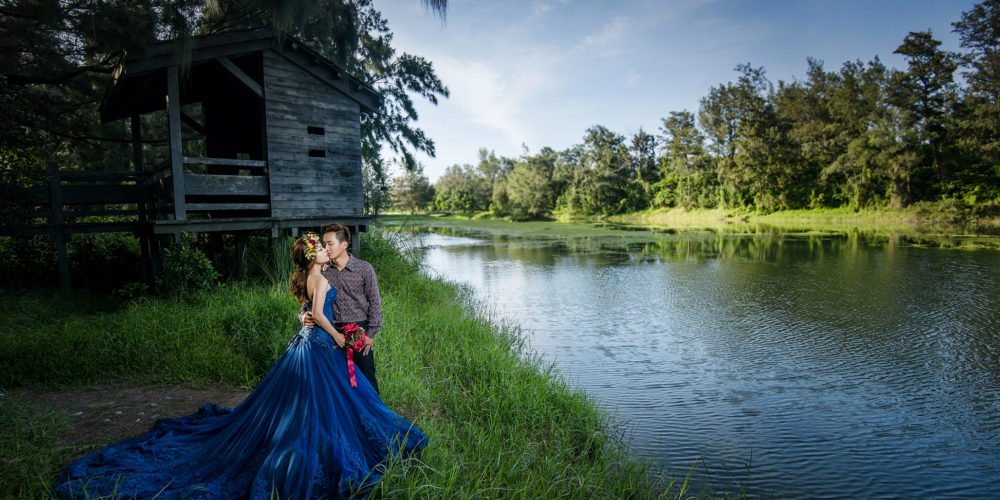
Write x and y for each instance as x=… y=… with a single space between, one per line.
x=315 y=426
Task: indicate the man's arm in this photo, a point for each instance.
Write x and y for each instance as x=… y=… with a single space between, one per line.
x=374 y=303
x=305 y=316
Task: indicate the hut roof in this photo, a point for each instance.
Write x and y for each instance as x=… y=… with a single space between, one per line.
x=139 y=84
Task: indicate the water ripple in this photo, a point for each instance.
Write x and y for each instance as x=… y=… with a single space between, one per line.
x=842 y=370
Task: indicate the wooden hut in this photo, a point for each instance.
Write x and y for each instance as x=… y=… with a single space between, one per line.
x=281 y=141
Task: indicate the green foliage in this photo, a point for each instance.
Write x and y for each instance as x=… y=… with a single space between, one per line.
x=27 y=260
x=103 y=261
x=19 y=171
x=412 y=191
x=227 y=334
x=133 y=291
x=462 y=188
x=186 y=270
x=979 y=32
x=283 y=265
x=467 y=188
x=28 y=448
x=529 y=186
x=500 y=202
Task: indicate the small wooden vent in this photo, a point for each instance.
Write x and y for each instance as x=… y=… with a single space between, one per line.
x=317 y=153
x=316 y=131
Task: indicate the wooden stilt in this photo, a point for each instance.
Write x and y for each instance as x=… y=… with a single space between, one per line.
x=176 y=148
x=216 y=252
x=242 y=238
x=58 y=234
x=143 y=205
x=156 y=255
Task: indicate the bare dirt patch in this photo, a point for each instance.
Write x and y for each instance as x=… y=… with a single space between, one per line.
x=105 y=414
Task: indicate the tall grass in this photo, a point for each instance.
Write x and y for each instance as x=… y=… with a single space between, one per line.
x=500 y=425
x=28 y=452
x=230 y=336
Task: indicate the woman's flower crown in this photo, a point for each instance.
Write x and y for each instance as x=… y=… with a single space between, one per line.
x=312 y=244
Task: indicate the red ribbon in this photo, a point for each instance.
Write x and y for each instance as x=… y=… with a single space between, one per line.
x=350 y=366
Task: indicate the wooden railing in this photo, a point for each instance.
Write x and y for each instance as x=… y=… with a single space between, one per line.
x=68 y=198
x=127 y=197
x=226 y=192
x=63 y=206
x=207 y=193
x=142 y=203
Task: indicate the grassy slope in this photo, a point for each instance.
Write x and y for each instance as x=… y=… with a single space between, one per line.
x=916 y=225
x=942 y=217
x=916 y=217
x=500 y=425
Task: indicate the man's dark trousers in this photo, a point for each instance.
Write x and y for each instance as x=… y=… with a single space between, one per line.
x=362 y=362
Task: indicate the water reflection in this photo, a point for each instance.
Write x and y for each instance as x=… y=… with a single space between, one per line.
x=756 y=242
x=849 y=364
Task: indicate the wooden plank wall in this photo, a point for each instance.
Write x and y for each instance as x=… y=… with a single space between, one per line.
x=302 y=185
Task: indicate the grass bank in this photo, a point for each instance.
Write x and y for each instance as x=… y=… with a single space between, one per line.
x=941 y=218
x=944 y=217
x=928 y=225
x=500 y=425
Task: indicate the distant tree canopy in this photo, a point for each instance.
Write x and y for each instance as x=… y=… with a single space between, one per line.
x=412 y=191
x=56 y=58
x=863 y=135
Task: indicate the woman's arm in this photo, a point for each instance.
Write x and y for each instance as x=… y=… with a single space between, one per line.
x=317 y=290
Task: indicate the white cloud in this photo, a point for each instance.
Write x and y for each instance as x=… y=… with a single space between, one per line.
x=543 y=7
x=497 y=95
x=610 y=39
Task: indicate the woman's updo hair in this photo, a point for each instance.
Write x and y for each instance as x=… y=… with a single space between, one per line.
x=303 y=256
x=342 y=232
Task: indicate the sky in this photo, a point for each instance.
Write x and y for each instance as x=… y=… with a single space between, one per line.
x=525 y=74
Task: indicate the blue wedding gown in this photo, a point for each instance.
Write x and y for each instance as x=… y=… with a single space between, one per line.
x=303 y=432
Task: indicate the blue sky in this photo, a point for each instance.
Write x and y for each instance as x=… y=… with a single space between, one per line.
x=540 y=72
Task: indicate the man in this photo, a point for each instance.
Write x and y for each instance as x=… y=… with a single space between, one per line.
x=357 y=301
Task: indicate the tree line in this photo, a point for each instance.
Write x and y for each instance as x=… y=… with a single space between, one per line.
x=864 y=135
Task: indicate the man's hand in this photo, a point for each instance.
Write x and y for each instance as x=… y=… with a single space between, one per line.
x=307 y=320
x=369 y=343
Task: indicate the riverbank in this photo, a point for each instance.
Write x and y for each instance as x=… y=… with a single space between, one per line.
x=925 y=225
x=501 y=424
x=941 y=218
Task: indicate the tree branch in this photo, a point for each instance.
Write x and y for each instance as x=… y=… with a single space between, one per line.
x=38 y=79
x=18 y=15
x=94 y=138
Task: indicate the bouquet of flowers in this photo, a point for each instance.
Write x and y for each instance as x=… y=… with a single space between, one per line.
x=354 y=335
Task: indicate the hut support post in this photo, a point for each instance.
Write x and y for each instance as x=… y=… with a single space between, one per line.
x=241 y=241
x=137 y=164
x=176 y=149
x=356 y=240
x=58 y=232
x=156 y=255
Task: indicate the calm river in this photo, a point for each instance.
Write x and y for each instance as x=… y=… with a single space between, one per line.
x=836 y=366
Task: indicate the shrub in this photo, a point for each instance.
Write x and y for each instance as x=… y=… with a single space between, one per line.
x=186 y=269
x=104 y=261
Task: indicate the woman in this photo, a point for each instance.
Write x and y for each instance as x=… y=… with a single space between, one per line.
x=310 y=429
